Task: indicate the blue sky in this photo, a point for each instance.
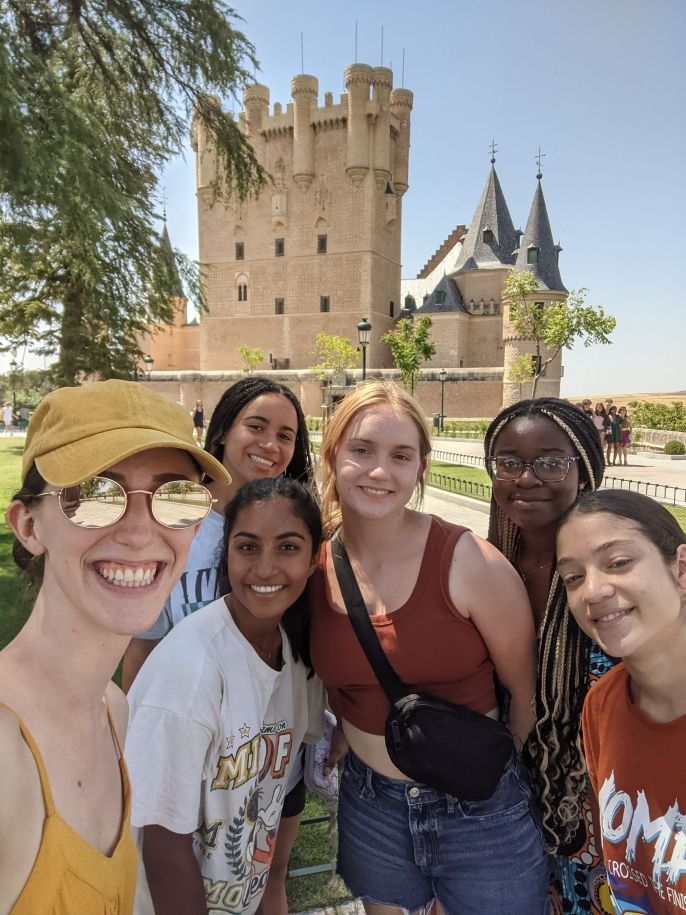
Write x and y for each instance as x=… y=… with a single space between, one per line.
x=599 y=85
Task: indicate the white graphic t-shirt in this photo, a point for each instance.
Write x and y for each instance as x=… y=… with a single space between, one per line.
x=213 y=734
x=197 y=586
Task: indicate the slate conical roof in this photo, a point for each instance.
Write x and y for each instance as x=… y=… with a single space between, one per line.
x=165 y=242
x=492 y=215
x=445 y=297
x=539 y=235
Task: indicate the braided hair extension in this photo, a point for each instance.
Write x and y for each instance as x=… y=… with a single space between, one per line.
x=554 y=750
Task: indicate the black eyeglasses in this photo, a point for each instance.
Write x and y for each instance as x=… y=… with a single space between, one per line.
x=548 y=469
x=99 y=502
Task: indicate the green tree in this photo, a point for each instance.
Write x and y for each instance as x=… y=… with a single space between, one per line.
x=410 y=345
x=521 y=371
x=96 y=97
x=555 y=325
x=251 y=357
x=335 y=355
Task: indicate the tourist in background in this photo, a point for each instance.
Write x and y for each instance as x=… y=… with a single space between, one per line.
x=613 y=434
x=622 y=558
x=624 y=434
x=199 y=421
x=434 y=592
x=599 y=422
x=101 y=531
x=541 y=454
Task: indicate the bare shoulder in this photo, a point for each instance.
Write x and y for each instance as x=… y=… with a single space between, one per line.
x=119 y=709
x=480 y=576
x=476 y=557
x=19 y=773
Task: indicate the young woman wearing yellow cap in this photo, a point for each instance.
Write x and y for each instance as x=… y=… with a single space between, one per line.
x=109 y=504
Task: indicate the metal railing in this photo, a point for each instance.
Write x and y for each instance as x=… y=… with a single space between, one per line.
x=452 y=457
x=661 y=492
x=455 y=484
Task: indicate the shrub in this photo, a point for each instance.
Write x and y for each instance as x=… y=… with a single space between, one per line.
x=675 y=447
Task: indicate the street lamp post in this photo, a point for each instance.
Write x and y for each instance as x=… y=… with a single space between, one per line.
x=149 y=362
x=13 y=384
x=364 y=331
x=442 y=375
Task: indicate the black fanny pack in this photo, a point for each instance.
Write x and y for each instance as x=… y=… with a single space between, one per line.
x=438 y=743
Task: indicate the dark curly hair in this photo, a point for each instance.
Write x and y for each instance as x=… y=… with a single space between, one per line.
x=296 y=620
x=553 y=750
x=238 y=396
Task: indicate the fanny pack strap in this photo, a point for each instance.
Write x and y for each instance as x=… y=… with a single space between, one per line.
x=358 y=615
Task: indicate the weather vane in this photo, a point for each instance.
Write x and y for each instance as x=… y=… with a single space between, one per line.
x=494 y=149
x=538 y=162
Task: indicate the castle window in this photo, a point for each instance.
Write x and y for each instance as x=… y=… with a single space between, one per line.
x=532 y=255
x=391 y=309
x=242 y=292
x=240 y=251
x=278 y=306
x=279 y=247
x=324 y=303
x=488 y=236
x=321 y=244
x=440 y=296
x=538 y=307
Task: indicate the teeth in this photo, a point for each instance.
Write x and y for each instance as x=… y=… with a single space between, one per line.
x=266 y=589
x=262 y=461
x=611 y=616
x=376 y=492
x=126 y=577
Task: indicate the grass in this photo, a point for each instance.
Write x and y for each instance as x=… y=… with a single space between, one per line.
x=15 y=596
x=314 y=847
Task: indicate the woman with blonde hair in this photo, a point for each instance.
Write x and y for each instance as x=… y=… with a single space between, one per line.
x=434 y=593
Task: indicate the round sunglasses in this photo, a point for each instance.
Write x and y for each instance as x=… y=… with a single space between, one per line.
x=99 y=502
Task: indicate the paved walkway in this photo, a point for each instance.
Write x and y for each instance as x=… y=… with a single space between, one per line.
x=349 y=907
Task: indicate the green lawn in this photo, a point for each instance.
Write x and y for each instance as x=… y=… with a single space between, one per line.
x=15 y=596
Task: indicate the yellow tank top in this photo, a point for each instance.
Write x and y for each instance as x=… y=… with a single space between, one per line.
x=69 y=876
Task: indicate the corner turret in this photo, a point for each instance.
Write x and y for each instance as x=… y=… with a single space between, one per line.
x=538 y=253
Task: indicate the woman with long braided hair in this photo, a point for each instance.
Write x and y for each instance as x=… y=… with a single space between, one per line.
x=541 y=454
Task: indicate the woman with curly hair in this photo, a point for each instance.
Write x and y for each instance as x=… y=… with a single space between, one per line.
x=541 y=454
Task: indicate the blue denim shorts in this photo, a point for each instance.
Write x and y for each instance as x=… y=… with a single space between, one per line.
x=403 y=844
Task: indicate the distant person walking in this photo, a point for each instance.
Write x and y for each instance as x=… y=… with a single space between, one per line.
x=599 y=422
x=624 y=435
x=199 y=421
x=613 y=433
x=23 y=418
x=7 y=418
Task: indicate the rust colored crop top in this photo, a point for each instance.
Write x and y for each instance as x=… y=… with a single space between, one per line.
x=432 y=647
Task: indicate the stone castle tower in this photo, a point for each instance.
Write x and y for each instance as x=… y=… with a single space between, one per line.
x=320 y=248
x=462 y=287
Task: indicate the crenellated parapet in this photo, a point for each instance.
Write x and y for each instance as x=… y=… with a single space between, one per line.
x=256 y=105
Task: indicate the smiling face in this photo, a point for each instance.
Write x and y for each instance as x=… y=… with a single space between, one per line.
x=270 y=558
x=116 y=577
x=261 y=440
x=378 y=463
x=529 y=502
x=620 y=590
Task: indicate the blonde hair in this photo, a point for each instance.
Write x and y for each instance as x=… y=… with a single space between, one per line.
x=365 y=396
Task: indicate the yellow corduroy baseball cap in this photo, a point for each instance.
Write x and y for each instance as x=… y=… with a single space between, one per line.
x=76 y=433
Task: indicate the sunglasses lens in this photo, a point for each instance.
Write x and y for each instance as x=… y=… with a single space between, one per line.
x=181 y=503
x=95 y=502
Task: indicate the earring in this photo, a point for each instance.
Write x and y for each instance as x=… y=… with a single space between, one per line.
x=582 y=486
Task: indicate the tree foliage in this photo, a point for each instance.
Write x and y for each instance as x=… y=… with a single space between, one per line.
x=521 y=371
x=335 y=355
x=96 y=96
x=556 y=324
x=251 y=357
x=658 y=416
x=410 y=344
